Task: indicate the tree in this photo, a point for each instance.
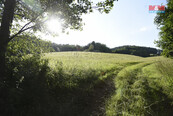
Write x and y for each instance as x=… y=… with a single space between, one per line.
x=97 y=47
x=91 y=48
x=164 y=21
x=36 y=12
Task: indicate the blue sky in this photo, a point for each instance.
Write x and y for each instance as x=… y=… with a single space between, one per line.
x=129 y=23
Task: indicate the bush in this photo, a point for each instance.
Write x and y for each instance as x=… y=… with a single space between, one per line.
x=25 y=88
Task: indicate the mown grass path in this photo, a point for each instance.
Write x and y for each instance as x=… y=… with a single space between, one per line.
x=136 y=94
x=120 y=85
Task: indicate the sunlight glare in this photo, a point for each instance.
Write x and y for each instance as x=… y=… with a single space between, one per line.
x=54 y=25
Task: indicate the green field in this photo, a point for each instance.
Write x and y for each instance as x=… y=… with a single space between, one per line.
x=90 y=60
x=119 y=84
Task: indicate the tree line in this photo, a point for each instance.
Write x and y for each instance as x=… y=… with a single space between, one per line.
x=99 y=47
x=28 y=44
x=137 y=50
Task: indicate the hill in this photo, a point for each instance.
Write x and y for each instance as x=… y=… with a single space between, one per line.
x=137 y=50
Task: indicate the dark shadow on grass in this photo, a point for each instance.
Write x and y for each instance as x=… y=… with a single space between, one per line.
x=101 y=93
x=31 y=88
x=85 y=101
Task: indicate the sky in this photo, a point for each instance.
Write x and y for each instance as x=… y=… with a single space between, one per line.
x=128 y=23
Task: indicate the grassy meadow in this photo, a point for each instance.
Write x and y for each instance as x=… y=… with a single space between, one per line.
x=114 y=84
x=91 y=60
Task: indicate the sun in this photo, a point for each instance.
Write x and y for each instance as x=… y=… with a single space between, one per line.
x=54 y=25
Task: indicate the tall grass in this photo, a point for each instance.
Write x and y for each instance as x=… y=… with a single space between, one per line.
x=83 y=84
x=136 y=95
x=165 y=69
x=130 y=97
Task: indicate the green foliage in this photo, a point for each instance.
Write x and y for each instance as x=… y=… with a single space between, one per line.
x=25 y=88
x=66 y=47
x=137 y=50
x=97 y=47
x=28 y=44
x=91 y=48
x=69 y=12
x=165 y=24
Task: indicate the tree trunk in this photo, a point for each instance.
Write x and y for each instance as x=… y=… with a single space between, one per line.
x=2 y=61
x=7 y=18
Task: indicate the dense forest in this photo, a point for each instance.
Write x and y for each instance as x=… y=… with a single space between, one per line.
x=137 y=50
